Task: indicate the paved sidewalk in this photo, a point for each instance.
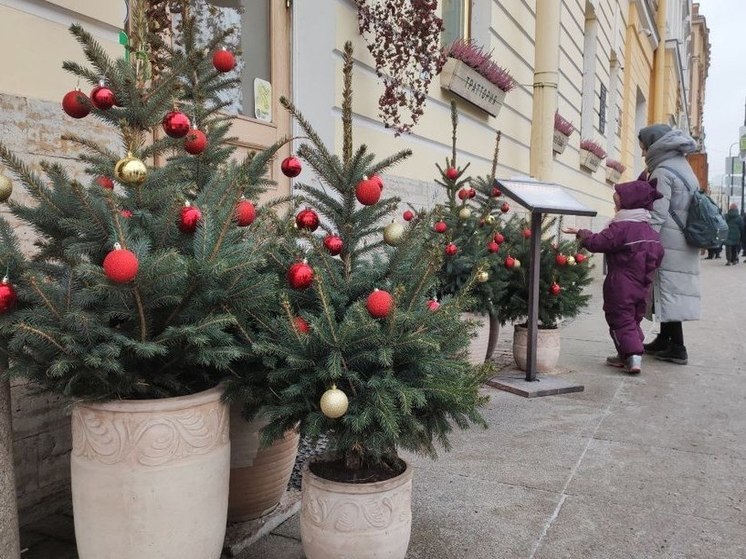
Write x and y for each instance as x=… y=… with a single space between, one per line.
x=642 y=467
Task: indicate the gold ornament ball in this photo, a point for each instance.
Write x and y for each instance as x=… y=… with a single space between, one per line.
x=6 y=188
x=464 y=213
x=393 y=234
x=130 y=170
x=571 y=261
x=489 y=219
x=334 y=403
x=517 y=264
x=482 y=276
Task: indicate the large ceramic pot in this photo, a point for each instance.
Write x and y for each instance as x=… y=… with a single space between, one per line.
x=150 y=477
x=259 y=476
x=547 y=348
x=364 y=521
x=478 y=344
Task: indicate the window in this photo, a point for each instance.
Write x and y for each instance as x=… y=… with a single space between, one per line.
x=456 y=21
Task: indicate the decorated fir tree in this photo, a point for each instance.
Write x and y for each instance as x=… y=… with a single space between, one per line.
x=361 y=354
x=144 y=274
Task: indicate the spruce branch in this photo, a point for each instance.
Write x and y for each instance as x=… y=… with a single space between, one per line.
x=347 y=104
x=454 y=125
x=495 y=156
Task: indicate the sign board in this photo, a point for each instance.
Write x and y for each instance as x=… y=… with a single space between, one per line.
x=262 y=100
x=542 y=197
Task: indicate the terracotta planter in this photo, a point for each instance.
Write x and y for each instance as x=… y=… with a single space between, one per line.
x=364 y=521
x=150 y=477
x=467 y=83
x=547 y=348
x=612 y=175
x=478 y=345
x=259 y=476
x=560 y=142
x=589 y=160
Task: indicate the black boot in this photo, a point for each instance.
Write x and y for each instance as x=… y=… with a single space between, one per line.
x=656 y=346
x=673 y=354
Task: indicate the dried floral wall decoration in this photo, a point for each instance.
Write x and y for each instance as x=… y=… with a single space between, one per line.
x=403 y=37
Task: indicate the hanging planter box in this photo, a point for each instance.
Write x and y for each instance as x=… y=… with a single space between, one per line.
x=560 y=142
x=612 y=175
x=467 y=83
x=589 y=160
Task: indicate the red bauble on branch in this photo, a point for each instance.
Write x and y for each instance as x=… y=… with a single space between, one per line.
x=333 y=244
x=176 y=124
x=451 y=173
x=301 y=325
x=509 y=262
x=440 y=227
x=379 y=303
x=8 y=295
x=300 y=275
x=526 y=233
x=291 y=166
x=367 y=191
x=463 y=193
x=408 y=215
x=105 y=182
x=433 y=305
x=121 y=265
x=493 y=246
x=76 y=104
x=451 y=249
x=195 y=141
x=102 y=97
x=189 y=217
x=505 y=207
x=223 y=60
x=496 y=192
x=580 y=257
x=245 y=213
x=554 y=289
x=499 y=238
x=560 y=260
x=307 y=219
x=126 y=214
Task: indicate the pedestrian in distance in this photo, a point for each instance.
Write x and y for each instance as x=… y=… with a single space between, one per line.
x=633 y=253
x=676 y=295
x=733 y=242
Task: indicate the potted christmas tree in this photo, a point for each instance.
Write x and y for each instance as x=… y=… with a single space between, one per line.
x=362 y=355
x=469 y=223
x=564 y=272
x=131 y=304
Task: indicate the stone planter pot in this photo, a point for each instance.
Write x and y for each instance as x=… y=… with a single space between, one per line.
x=547 y=348
x=150 y=477
x=589 y=160
x=478 y=345
x=560 y=142
x=364 y=521
x=259 y=476
x=612 y=175
x=467 y=83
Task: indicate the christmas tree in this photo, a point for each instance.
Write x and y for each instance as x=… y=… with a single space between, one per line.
x=361 y=354
x=144 y=276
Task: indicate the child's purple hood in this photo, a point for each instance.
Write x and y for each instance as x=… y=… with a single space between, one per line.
x=637 y=194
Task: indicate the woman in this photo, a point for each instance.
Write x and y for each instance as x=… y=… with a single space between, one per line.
x=676 y=285
x=733 y=242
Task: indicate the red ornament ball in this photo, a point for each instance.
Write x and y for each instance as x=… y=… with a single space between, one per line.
x=333 y=244
x=493 y=246
x=307 y=219
x=378 y=180
x=463 y=193
x=496 y=192
x=76 y=104
x=245 y=213
x=580 y=258
x=440 y=227
x=451 y=249
x=367 y=192
x=433 y=305
x=505 y=207
x=560 y=260
x=300 y=275
x=102 y=97
x=527 y=233
x=379 y=303
x=176 y=124
x=509 y=262
x=223 y=60
x=472 y=193
x=126 y=214
x=499 y=238
x=8 y=296
x=105 y=182
x=189 y=218
x=554 y=289
x=120 y=265
x=195 y=141
x=291 y=166
x=451 y=173
x=301 y=325
x=408 y=215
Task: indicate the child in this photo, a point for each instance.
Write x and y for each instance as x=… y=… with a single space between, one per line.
x=633 y=253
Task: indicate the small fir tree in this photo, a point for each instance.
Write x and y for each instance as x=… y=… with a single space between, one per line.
x=360 y=355
x=164 y=314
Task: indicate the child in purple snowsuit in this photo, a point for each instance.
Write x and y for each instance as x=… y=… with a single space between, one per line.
x=633 y=253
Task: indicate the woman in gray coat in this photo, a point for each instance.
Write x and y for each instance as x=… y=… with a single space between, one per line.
x=676 y=286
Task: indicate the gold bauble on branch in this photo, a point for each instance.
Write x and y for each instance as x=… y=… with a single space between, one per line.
x=571 y=261
x=393 y=234
x=130 y=170
x=6 y=188
x=334 y=403
x=482 y=276
x=464 y=213
x=517 y=263
x=489 y=219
